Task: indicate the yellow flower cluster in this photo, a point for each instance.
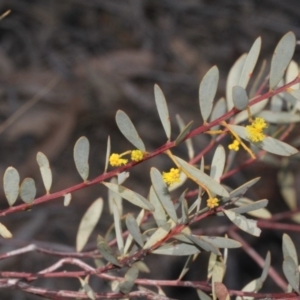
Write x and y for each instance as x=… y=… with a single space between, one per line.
x=235 y=145
x=255 y=130
x=172 y=176
x=212 y=202
x=137 y=155
x=116 y=160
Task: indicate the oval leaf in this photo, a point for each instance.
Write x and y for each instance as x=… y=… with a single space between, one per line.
x=129 y=195
x=282 y=56
x=291 y=272
x=130 y=237
x=159 y=212
x=45 y=170
x=207 y=91
x=218 y=163
x=128 y=130
x=184 y=132
x=88 y=223
x=130 y=276
x=163 y=194
x=240 y=97
x=219 y=110
x=162 y=109
x=250 y=63
x=254 y=209
x=108 y=151
x=200 y=177
x=244 y=208
x=28 y=190
x=157 y=236
x=177 y=249
x=11 y=181
x=67 y=199
x=203 y=244
x=183 y=128
x=4 y=232
x=134 y=229
x=118 y=229
x=279 y=117
x=250 y=226
x=106 y=251
x=288 y=248
x=221 y=242
x=233 y=79
x=81 y=156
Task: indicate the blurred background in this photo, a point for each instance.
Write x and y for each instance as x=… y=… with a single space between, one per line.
x=76 y=62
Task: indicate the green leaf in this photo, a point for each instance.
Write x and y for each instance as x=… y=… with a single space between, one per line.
x=269 y=144
x=184 y=212
x=11 y=181
x=159 y=214
x=241 y=190
x=130 y=237
x=163 y=194
x=129 y=195
x=108 y=151
x=134 y=229
x=252 y=208
x=118 y=229
x=67 y=199
x=114 y=199
x=128 y=130
x=27 y=190
x=240 y=97
x=250 y=226
x=183 y=133
x=250 y=63
x=4 y=232
x=162 y=109
x=244 y=208
x=45 y=170
x=106 y=251
x=266 y=268
x=201 y=178
x=279 y=117
x=81 y=156
x=282 y=56
x=221 y=242
x=292 y=73
x=291 y=272
x=202 y=243
x=183 y=128
x=158 y=235
x=289 y=249
x=219 y=109
x=218 y=163
x=207 y=91
x=177 y=249
x=130 y=276
x=234 y=78
x=88 y=223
